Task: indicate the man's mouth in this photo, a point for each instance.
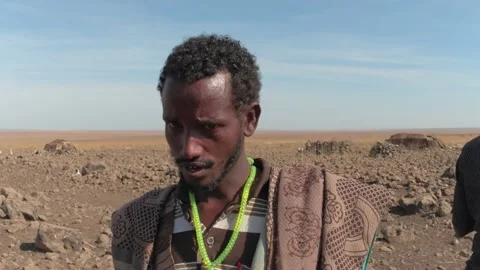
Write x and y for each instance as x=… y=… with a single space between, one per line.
x=194 y=170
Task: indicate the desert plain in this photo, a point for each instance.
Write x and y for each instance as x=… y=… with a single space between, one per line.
x=56 y=207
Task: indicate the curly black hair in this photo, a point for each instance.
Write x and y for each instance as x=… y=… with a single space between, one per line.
x=205 y=55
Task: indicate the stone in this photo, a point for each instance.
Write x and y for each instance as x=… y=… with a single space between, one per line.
x=60 y=147
x=328 y=147
x=55 y=238
x=416 y=141
x=92 y=167
x=10 y=193
x=103 y=241
x=383 y=149
x=444 y=209
x=12 y=210
x=397 y=234
x=449 y=173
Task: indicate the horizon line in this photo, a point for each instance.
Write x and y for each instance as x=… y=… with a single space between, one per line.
x=463 y=129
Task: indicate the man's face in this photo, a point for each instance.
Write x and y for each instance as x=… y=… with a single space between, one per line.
x=204 y=131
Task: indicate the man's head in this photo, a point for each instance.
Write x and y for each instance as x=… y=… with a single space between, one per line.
x=210 y=89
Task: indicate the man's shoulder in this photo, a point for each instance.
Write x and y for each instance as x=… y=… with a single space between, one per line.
x=307 y=170
x=351 y=187
x=475 y=142
x=471 y=147
x=152 y=199
x=312 y=170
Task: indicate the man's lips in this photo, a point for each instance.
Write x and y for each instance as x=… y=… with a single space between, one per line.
x=194 y=170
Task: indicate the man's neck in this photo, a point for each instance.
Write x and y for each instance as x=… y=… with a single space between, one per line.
x=231 y=184
x=211 y=204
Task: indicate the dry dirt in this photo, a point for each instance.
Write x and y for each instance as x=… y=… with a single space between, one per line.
x=416 y=234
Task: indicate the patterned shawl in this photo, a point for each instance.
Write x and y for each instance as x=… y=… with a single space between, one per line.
x=315 y=220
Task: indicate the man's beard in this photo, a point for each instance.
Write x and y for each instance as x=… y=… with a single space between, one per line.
x=231 y=161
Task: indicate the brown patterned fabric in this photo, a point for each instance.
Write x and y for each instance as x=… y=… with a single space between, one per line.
x=315 y=220
x=318 y=220
x=134 y=228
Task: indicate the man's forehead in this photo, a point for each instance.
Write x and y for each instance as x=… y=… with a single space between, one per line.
x=216 y=86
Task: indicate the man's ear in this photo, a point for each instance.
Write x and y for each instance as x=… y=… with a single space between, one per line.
x=252 y=116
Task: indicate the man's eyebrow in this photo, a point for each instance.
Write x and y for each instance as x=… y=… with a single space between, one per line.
x=205 y=120
x=167 y=118
x=211 y=119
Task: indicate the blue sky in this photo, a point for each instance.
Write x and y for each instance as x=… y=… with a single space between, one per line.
x=325 y=64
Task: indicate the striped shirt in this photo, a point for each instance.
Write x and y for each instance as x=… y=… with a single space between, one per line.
x=184 y=248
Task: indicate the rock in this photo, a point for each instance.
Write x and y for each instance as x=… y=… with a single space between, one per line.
x=15 y=209
x=60 y=147
x=54 y=238
x=383 y=149
x=427 y=203
x=448 y=192
x=51 y=256
x=455 y=242
x=449 y=173
x=416 y=141
x=465 y=254
x=103 y=241
x=108 y=232
x=386 y=249
x=105 y=219
x=16 y=227
x=444 y=209
x=83 y=258
x=328 y=147
x=420 y=203
x=409 y=205
x=92 y=167
x=10 y=193
x=12 y=210
x=397 y=234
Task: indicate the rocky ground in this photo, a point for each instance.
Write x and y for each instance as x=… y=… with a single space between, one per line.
x=55 y=208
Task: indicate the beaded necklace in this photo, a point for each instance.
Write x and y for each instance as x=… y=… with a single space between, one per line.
x=196 y=223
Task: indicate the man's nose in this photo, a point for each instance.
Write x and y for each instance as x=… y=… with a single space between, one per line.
x=192 y=147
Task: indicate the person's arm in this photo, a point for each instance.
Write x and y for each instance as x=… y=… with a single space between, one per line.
x=462 y=222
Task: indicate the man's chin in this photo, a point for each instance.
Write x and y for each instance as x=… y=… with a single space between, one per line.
x=195 y=176
x=195 y=182
x=200 y=184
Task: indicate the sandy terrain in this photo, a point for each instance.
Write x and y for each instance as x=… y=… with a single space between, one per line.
x=416 y=234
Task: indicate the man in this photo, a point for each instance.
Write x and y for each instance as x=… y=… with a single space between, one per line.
x=229 y=211
x=466 y=200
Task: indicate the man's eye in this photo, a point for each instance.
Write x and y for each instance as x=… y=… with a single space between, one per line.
x=210 y=126
x=172 y=125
